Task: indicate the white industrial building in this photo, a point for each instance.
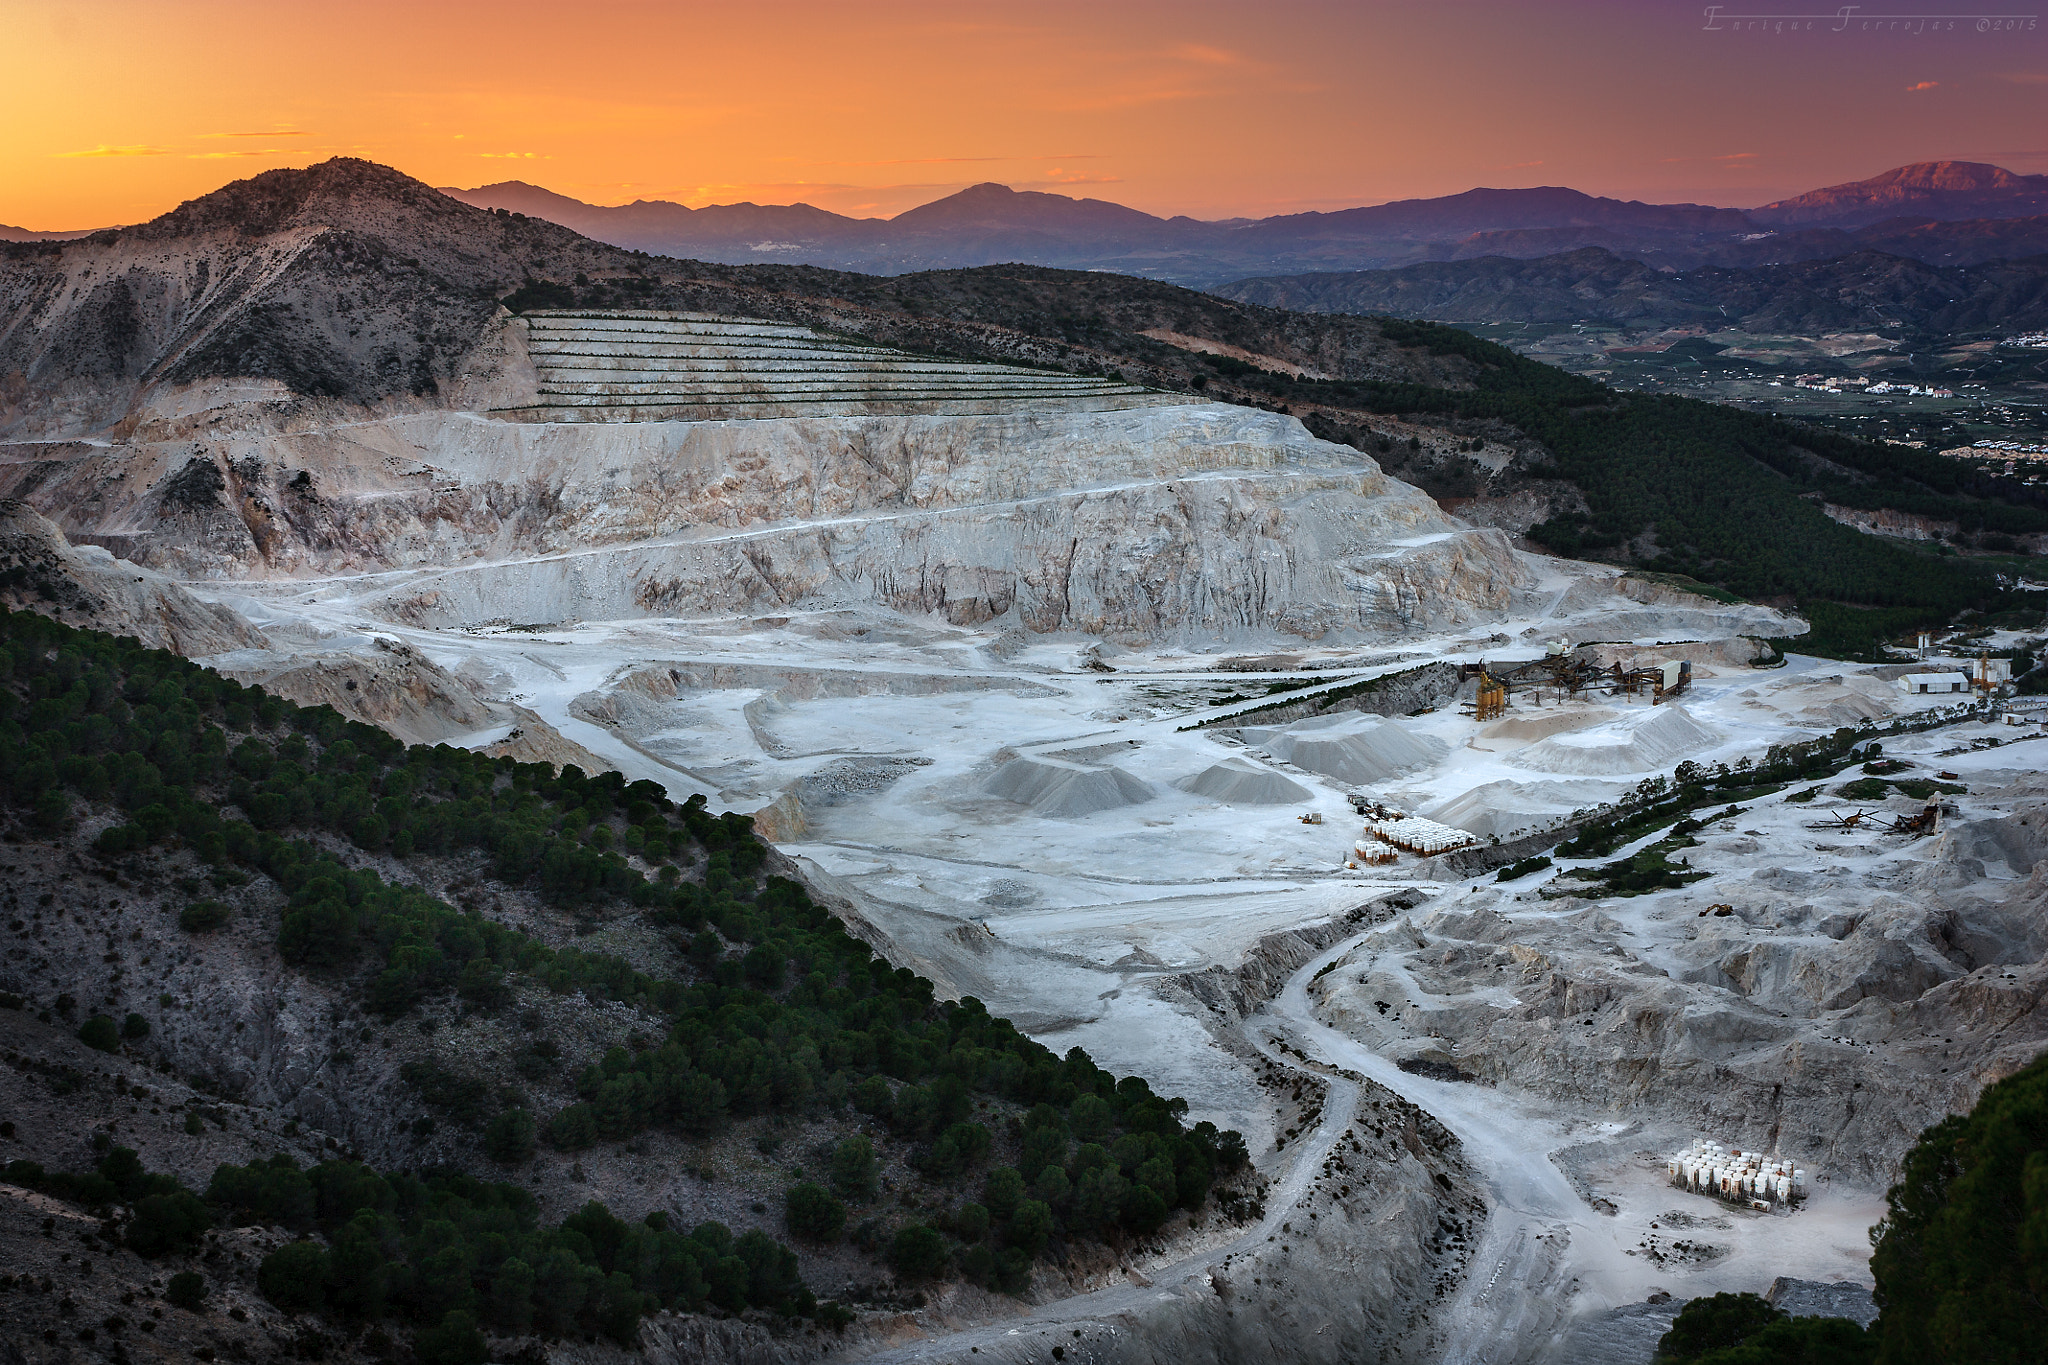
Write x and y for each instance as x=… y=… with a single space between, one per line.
x=1919 y=684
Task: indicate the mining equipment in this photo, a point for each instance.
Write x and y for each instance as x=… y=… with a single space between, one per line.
x=1491 y=699
x=1928 y=821
x=1839 y=823
x=1568 y=675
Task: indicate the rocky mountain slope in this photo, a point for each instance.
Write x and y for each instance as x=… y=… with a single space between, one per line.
x=87 y=586
x=345 y=281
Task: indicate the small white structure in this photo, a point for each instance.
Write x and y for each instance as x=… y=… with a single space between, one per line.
x=1920 y=684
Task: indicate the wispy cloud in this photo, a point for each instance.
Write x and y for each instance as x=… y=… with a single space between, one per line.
x=1722 y=158
x=1176 y=74
x=1205 y=55
x=964 y=160
x=923 y=161
x=104 y=150
x=275 y=132
x=235 y=155
x=1923 y=85
x=2025 y=77
x=514 y=156
x=1058 y=181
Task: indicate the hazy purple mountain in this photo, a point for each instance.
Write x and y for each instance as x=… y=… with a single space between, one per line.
x=1925 y=189
x=991 y=223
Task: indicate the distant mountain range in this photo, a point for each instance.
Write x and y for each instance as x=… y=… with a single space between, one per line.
x=15 y=234
x=1943 y=212
x=1858 y=292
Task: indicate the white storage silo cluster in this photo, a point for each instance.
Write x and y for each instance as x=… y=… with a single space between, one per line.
x=1737 y=1176
x=1414 y=834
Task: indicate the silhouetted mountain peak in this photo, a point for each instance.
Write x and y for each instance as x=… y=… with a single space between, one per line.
x=994 y=206
x=339 y=192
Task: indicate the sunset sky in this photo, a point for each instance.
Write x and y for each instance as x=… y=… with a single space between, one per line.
x=115 y=110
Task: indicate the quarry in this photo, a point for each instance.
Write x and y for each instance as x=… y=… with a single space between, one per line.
x=969 y=644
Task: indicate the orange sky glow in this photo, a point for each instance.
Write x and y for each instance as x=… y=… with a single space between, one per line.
x=116 y=110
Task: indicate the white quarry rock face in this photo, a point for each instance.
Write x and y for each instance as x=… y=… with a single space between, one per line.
x=1185 y=521
x=640 y=365
x=1505 y=809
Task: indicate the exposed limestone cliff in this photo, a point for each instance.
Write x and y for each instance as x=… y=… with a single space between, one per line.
x=1180 y=520
x=86 y=586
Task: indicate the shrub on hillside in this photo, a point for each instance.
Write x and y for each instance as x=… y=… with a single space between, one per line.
x=918 y=1252
x=187 y=1290
x=454 y=1341
x=99 y=1032
x=294 y=1277
x=203 y=917
x=813 y=1214
x=855 y=1172
x=509 y=1138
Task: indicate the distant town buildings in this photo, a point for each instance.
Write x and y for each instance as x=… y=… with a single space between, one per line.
x=1838 y=384
x=2013 y=453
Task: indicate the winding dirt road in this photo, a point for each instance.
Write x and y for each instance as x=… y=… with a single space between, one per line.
x=1517 y=1293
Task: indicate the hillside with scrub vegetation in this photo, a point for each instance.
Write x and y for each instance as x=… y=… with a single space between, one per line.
x=438 y=1048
